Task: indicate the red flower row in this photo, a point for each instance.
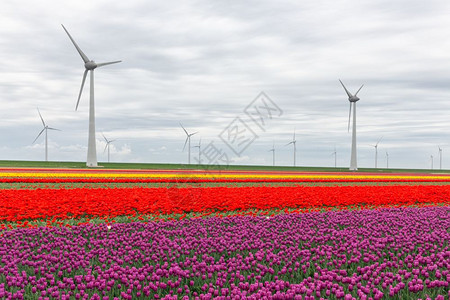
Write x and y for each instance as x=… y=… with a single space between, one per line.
x=18 y=205
x=208 y=180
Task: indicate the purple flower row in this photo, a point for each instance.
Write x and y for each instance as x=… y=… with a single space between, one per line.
x=363 y=254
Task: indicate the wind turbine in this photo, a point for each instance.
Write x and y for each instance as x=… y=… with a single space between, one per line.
x=89 y=65
x=295 y=147
x=108 y=143
x=188 y=139
x=46 y=128
x=376 y=151
x=199 y=146
x=335 y=157
x=273 y=154
x=440 y=158
x=431 y=162
x=352 y=99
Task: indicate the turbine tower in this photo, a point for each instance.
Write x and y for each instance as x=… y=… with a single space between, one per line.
x=90 y=66
x=273 y=154
x=199 y=146
x=108 y=143
x=431 y=156
x=376 y=152
x=46 y=128
x=188 y=139
x=352 y=99
x=295 y=147
x=440 y=158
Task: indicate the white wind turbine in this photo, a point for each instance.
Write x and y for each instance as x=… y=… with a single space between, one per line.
x=431 y=156
x=440 y=158
x=353 y=99
x=376 y=152
x=199 y=146
x=295 y=147
x=273 y=154
x=46 y=128
x=188 y=139
x=108 y=143
x=335 y=157
x=89 y=65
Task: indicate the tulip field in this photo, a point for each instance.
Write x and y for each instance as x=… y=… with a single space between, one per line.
x=178 y=234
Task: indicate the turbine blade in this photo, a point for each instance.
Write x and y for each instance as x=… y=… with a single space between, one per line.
x=106 y=146
x=106 y=140
x=289 y=143
x=81 y=89
x=185 y=143
x=193 y=133
x=349 y=114
x=379 y=141
x=108 y=63
x=38 y=135
x=184 y=130
x=348 y=93
x=359 y=90
x=83 y=56
x=43 y=123
x=53 y=128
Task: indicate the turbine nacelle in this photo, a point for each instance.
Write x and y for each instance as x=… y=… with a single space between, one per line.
x=90 y=65
x=353 y=99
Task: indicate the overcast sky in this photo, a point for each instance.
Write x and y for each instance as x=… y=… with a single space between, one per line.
x=203 y=62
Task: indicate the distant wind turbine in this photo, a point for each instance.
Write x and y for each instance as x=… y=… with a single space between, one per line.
x=295 y=147
x=353 y=99
x=199 y=146
x=89 y=65
x=440 y=158
x=335 y=157
x=376 y=151
x=431 y=156
x=273 y=154
x=108 y=143
x=46 y=128
x=188 y=140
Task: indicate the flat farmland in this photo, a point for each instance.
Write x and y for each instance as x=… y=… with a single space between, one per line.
x=73 y=233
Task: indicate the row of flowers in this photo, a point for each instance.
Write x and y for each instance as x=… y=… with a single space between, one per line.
x=29 y=204
x=366 y=254
x=215 y=176
x=213 y=180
